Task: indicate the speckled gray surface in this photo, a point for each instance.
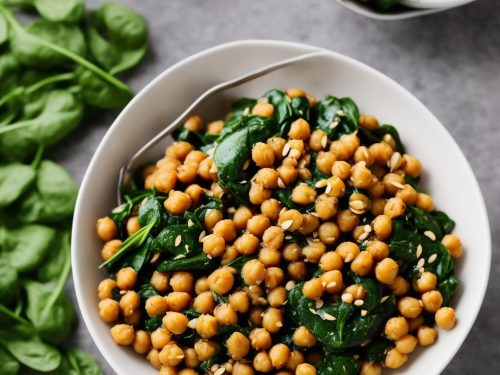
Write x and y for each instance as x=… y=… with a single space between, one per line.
x=450 y=61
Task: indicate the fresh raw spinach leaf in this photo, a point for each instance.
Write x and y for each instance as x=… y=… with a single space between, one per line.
x=445 y=223
x=4 y=30
x=424 y=221
x=198 y=262
x=377 y=350
x=334 y=364
x=15 y=179
x=153 y=323
x=448 y=288
x=81 y=363
x=70 y=11
x=9 y=284
x=179 y=240
x=242 y=107
x=151 y=210
x=281 y=103
x=9 y=365
x=138 y=259
x=146 y=290
x=33 y=354
x=50 y=270
x=329 y=116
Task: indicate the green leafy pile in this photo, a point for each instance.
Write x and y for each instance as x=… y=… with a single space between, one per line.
x=53 y=72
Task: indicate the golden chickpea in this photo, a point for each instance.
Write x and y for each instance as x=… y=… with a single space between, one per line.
x=133 y=319
x=260 y=339
x=395 y=359
x=295 y=92
x=167 y=163
x=126 y=278
x=303 y=194
x=292 y=252
x=105 y=288
x=381 y=152
x=314 y=251
x=177 y=202
x=279 y=355
x=187 y=173
x=207 y=169
x=341 y=169
x=356 y=291
x=325 y=161
x=190 y=358
x=109 y=310
x=179 y=150
x=206 y=349
x=214 y=245
x=416 y=323
x=287 y=175
x=226 y=314
x=272 y=319
x=386 y=271
x=330 y=261
x=399 y=286
x=156 y=306
x=426 y=282
x=396 y=327
x=238 y=346
x=263 y=109
x=204 y=303
x=445 y=318
x=453 y=245
x=154 y=358
x=247 y=244
x=258 y=194
x=313 y=288
x=271 y=208
x=426 y=336
x=408 y=195
x=310 y=224
x=425 y=202
x=342 y=150
x=262 y=362
x=201 y=285
x=195 y=157
x=217 y=190
x=377 y=207
x=175 y=322
x=406 y=344
x=329 y=232
x=258 y=224
x=382 y=226
x=276 y=297
x=273 y=238
x=263 y=155
x=318 y=140
x=187 y=371
x=171 y=355
x=303 y=338
x=206 y=326
x=332 y=281
x=241 y=217
x=393 y=183
x=326 y=207
x=300 y=129
x=290 y=220
x=215 y=127
x=296 y=358
x=123 y=334
x=370 y=368
x=409 y=307
x=110 y=248
x=182 y=281
x=347 y=220
x=363 y=154
x=159 y=281
x=305 y=369
x=212 y=217
x=239 y=301
x=274 y=277
x=378 y=249
x=106 y=229
x=348 y=251
x=412 y=168
x=394 y=207
x=361 y=176
x=221 y=281
x=267 y=177
x=432 y=300
x=160 y=337
x=297 y=271
x=277 y=144
x=142 y=342
x=178 y=301
x=165 y=180
x=362 y=265
x=368 y=122
x=225 y=229
x=240 y=368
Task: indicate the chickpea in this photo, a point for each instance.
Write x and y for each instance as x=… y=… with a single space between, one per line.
x=300 y=129
x=123 y=334
x=262 y=362
x=217 y=190
x=292 y=252
x=133 y=319
x=263 y=155
x=187 y=371
x=348 y=251
x=412 y=168
x=335 y=187
x=297 y=271
x=453 y=245
x=332 y=280
x=305 y=369
x=394 y=207
x=310 y=224
x=267 y=177
x=378 y=249
x=201 y=285
x=370 y=368
x=238 y=346
x=204 y=303
x=341 y=149
x=177 y=202
x=445 y=318
x=277 y=144
x=165 y=180
x=313 y=288
x=241 y=217
x=207 y=169
x=409 y=307
x=426 y=282
x=432 y=300
x=260 y=339
x=303 y=194
x=225 y=314
x=290 y=220
x=229 y=255
x=416 y=323
x=318 y=140
x=341 y=169
x=240 y=368
x=106 y=228
x=142 y=342
x=329 y=232
x=361 y=177
x=212 y=217
x=325 y=161
x=314 y=251
x=263 y=109
x=363 y=154
x=156 y=306
x=287 y=175
x=406 y=344
x=295 y=92
x=154 y=358
x=273 y=238
x=206 y=326
x=214 y=245
x=296 y=358
x=239 y=301
x=386 y=271
x=225 y=229
x=381 y=152
x=408 y=195
x=368 y=122
x=347 y=220
x=175 y=322
x=272 y=319
x=395 y=359
x=399 y=286
x=258 y=194
x=195 y=157
x=330 y=261
x=160 y=337
x=303 y=338
x=215 y=127
x=105 y=288
x=426 y=336
x=171 y=355
x=126 y=278
x=377 y=207
x=424 y=201
x=206 y=349
x=168 y=163
x=326 y=207
x=187 y=172
x=221 y=281
x=382 y=226
x=182 y=281
x=110 y=248
x=271 y=208
x=191 y=358
x=274 y=277
x=109 y=310
x=276 y=297
x=179 y=150
x=258 y=224
x=363 y=263
x=396 y=327
x=247 y=244
x=178 y=301
x=279 y=355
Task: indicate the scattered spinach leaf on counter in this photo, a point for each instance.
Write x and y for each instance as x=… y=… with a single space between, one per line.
x=9 y=365
x=69 y=11
x=9 y=283
x=15 y=179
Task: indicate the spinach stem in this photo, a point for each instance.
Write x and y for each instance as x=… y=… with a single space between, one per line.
x=48 y=81
x=4 y=310
x=15 y=126
x=38 y=157
x=61 y=282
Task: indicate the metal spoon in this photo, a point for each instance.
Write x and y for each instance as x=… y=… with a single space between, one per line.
x=126 y=171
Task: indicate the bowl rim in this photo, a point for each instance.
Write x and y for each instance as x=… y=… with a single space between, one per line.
x=76 y=272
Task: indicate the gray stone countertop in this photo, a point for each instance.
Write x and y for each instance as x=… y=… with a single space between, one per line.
x=450 y=61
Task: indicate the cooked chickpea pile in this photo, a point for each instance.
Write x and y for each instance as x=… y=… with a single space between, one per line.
x=345 y=220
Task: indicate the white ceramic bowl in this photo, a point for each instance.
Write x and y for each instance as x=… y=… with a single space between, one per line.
x=448 y=176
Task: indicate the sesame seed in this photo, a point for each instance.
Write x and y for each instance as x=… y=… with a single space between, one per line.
x=246 y=111
x=186 y=247
x=340 y=112
x=319 y=303
x=397 y=184
x=384 y=298
x=363 y=236
x=192 y=323
x=364 y=312
x=358 y=205
x=288 y=237
x=279 y=324
x=367 y=228
x=178 y=240
x=419 y=250
x=395 y=161
x=361 y=163
x=262 y=300
x=359 y=302
x=154 y=258
x=328 y=188
x=355 y=356
x=432 y=258
x=231 y=210
x=123 y=291
x=287 y=224
x=243 y=182
x=331 y=284
x=327 y=316
x=246 y=164
x=286 y=149
x=209 y=256
x=119 y=208
x=281 y=184
x=312 y=311
x=324 y=140
x=211 y=151
x=213 y=168
x=347 y=297
x=190 y=223
x=202 y=236
x=430 y=234
x=289 y=285
x=180 y=256
x=321 y=184
x=334 y=124
x=420 y=263
x=294 y=153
